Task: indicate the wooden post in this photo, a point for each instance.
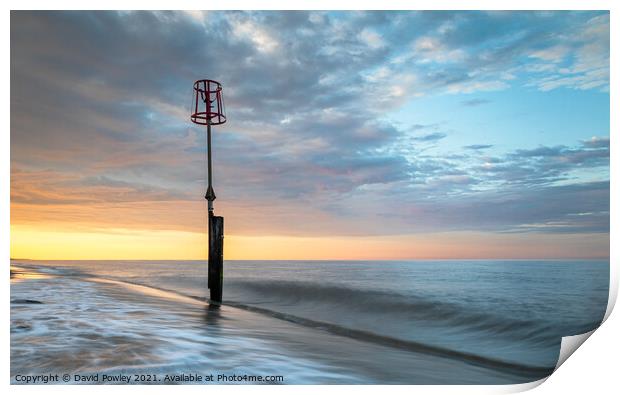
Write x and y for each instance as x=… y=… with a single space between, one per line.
x=216 y=256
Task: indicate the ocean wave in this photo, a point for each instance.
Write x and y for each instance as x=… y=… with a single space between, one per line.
x=405 y=308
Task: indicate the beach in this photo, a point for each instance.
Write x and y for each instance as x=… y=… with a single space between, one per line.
x=148 y=321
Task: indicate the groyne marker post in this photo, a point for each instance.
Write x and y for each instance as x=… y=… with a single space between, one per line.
x=208 y=109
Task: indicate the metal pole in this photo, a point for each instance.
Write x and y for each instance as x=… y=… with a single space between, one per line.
x=210 y=196
x=216 y=234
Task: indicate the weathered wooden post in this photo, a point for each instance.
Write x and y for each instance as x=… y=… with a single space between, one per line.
x=209 y=110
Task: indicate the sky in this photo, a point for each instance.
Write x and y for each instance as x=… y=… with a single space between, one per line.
x=350 y=135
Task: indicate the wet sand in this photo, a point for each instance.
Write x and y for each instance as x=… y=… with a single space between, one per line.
x=88 y=325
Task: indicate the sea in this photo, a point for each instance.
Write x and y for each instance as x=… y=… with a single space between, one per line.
x=299 y=322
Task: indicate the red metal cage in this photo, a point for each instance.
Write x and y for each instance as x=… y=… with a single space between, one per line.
x=208 y=103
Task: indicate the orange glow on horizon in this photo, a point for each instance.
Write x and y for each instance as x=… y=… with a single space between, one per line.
x=29 y=242
x=33 y=243
x=92 y=227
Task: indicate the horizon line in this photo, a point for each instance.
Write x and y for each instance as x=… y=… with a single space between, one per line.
x=329 y=259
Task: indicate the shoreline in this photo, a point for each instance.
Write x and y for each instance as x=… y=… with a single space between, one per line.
x=254 y=327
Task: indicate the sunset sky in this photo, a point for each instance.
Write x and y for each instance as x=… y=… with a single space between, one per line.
x=350 y=135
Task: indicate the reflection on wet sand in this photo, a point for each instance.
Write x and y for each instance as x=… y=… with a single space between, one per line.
x=149 y=291
x=21 y=274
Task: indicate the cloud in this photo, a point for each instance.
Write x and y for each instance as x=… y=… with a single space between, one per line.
x=431 y=137
x=430 y=49
x=597 y=142
x=371 y=38
x=246 y=29
x=309 y=143
x=554 y=54
x=589 y=53
x=569 y=50
x=474 y=102
x=550 y=209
